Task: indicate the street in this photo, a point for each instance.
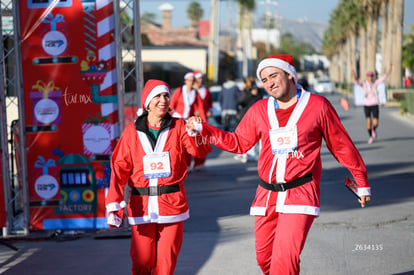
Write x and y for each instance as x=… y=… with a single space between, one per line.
x=219 y=238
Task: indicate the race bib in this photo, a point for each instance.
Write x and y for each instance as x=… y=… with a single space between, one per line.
x=157 y=165
x=283 y=140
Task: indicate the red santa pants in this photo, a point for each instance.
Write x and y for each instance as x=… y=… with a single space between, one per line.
x=155 y=248
x=199 y=162
x=279 y=241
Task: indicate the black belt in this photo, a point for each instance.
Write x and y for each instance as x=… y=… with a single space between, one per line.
x=281 y=187
x=155 y=190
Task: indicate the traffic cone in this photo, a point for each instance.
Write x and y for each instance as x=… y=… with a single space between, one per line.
x=344 y=103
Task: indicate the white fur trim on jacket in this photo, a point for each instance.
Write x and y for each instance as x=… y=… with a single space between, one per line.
x=364 y=191
x=115 y=206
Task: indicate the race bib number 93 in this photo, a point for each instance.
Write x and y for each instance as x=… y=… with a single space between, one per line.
x=283 y=140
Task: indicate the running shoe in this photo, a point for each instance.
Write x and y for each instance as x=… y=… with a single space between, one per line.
x=370 y=140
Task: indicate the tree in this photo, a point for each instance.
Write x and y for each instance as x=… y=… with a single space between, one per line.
x=397 y=44
x=408 y=49
x=194 y=13
x=289 y=44
x=149 y=16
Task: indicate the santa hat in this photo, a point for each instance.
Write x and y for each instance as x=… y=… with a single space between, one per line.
x=197 y=74
x=188 y=75
x=151 y=89
x=281 y=61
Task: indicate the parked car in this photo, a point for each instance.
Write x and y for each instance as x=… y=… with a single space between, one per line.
x=323 y=85
x=216 y=110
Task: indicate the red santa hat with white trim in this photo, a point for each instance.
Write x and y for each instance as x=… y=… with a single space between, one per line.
x=152 y=88
x=197 y=74
x=281 y=61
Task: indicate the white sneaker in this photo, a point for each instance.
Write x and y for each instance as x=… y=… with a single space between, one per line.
x=370 y=140
x=242 y=158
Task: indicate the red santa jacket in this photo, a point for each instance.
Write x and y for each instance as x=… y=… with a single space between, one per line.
x=185 y=105
x=127 y=164
x=314 y=118
x=206 y=97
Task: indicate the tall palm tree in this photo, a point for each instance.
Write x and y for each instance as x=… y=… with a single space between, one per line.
x=397 y=35
x=384 y=41
x=194 y=13
x=373 y=9
x=334 y=42
x=351 y=21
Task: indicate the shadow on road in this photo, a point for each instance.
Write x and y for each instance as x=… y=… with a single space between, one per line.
x=388 y=183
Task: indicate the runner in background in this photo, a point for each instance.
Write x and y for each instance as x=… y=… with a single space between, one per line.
x=371 y=101
x=187 y=102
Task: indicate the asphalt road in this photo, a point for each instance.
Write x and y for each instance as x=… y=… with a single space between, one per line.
x=218 y=237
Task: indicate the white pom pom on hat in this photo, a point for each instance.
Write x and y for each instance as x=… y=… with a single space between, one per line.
x=152 y=88
x=281 y=61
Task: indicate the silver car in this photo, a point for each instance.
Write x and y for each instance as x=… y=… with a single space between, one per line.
x=323 y=85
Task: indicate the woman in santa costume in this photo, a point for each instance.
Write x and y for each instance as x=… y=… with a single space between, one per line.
x=150 y=158
x=291 y=124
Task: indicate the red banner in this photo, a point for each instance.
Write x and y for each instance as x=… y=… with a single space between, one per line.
x=71 y=109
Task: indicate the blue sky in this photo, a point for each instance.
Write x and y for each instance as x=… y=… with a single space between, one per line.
x=313 y=10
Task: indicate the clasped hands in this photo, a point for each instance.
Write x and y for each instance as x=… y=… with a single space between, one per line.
x=194 y=125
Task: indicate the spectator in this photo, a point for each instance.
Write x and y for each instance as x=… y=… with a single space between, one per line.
x=249 y=95
x=228 y=101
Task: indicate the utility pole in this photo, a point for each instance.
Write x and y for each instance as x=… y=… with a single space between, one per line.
x=213 y=44
x=268 y=21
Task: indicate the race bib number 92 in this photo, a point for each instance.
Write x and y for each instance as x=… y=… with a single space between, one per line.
x=157 y=165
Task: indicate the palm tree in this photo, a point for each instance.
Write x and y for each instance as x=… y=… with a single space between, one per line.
x=373 y=7
x=194 y=13
x=397 y=35
x=350 y=21
x=353 y=20
x=384 y=40
x=408 y=50
x=334 y=42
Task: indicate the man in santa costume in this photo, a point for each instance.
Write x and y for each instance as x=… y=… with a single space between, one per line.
x=150 y=158
x=291 y=124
